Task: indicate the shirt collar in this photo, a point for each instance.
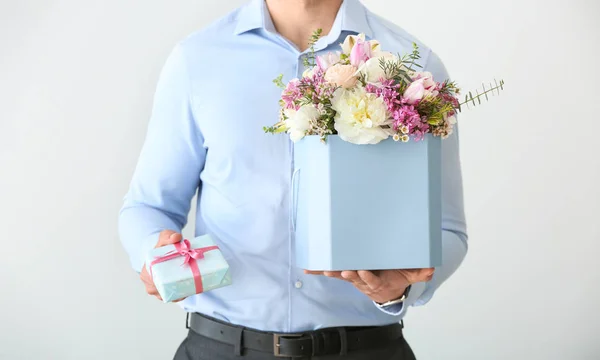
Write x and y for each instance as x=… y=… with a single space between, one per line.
x=352 y=17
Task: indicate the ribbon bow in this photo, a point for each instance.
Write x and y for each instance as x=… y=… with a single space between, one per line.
x=190 y=255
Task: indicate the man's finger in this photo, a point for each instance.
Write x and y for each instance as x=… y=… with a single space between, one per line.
x=334 y=274
x=353 y=277
x=146 y=278
x=146 y=282
x=313 y=272
x=151 y=289
x=429 y=275
x=168 y=237
x=372 y=280
x=425 y=275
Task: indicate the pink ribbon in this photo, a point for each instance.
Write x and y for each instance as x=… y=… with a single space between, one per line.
x=184 y=249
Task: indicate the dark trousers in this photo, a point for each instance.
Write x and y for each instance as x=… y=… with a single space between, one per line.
x=197 y=347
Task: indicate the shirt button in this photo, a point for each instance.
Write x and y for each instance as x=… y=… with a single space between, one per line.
x=298 y=284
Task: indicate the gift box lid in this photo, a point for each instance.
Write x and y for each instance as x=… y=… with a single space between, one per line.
x=173 y=271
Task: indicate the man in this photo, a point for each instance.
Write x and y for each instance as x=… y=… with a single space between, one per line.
x=213 y=98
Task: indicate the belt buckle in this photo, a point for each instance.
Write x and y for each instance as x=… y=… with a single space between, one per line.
x=277 y=345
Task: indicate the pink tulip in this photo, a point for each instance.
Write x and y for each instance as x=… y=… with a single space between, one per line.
x=415 y=91
x=361 y=52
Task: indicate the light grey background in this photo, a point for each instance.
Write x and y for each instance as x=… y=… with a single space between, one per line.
x=76 y=84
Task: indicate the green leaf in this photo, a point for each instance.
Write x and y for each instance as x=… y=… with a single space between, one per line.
x=469 y=98
x=279 y=81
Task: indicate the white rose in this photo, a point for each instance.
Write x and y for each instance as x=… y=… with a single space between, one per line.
x=359 y=116
x=341 y=75
x=298 y=122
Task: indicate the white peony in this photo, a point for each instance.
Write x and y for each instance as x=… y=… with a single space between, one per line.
x=298 y=122
x=372 y=70
x=359 y=116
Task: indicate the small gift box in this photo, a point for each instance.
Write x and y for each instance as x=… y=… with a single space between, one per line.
x=367 y=206
x=188 y=268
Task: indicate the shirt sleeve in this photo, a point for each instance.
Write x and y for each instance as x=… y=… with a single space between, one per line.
x=167 y=174
x=454 y=229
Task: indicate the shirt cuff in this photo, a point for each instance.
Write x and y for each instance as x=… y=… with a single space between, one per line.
x=416 y=290
x=149 y=243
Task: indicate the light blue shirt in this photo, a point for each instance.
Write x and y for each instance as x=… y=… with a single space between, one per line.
x=205 y=134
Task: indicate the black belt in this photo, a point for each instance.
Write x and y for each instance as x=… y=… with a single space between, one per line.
x=313 y=343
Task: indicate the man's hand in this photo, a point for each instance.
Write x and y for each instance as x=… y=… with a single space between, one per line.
x=382 y=285
x=166 y=237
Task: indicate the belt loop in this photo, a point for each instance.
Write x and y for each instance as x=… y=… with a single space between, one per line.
x=343 y=341
x=187 y=320
x=318 y=343
x=237 y=347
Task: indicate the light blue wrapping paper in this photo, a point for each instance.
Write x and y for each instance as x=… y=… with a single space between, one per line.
x=174 y=281
x=367 y=206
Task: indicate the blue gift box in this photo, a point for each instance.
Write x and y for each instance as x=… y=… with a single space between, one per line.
x=174 y=280
x=367 y=206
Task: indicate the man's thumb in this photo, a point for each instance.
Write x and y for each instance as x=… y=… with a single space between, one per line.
x=169 y=237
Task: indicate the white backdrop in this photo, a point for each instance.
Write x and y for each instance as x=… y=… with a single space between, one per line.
x=76 y=84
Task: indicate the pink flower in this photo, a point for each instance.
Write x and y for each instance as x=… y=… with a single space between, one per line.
x=292 y=94
x=327 y=60
x=313 y=87
x=388 y=91
x=361 y=52
x=451 y=99
x=406 y=117
x=430 y=86
x=341 y=75
x=414 y=92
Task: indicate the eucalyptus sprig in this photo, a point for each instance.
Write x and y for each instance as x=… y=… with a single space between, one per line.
x=470 y=99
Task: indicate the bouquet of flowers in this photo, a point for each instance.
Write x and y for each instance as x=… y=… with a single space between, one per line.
x=365 y=95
